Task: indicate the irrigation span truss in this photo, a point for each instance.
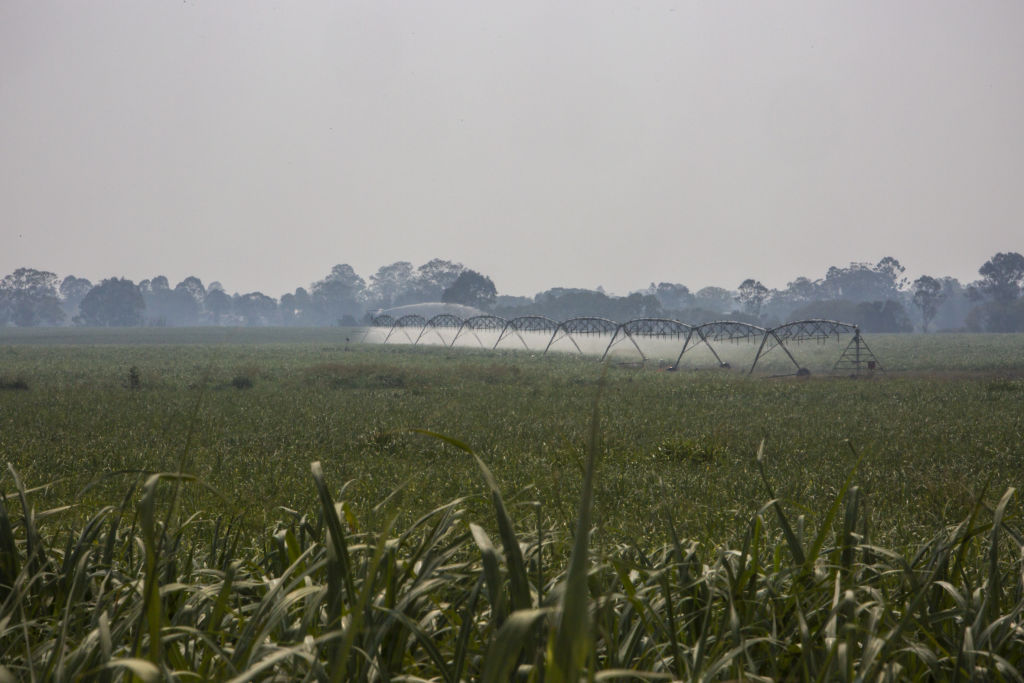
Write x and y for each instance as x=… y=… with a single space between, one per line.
x=856 y=357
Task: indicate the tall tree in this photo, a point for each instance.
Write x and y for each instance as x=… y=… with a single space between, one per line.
x=193 y=286
x=339 y=294
x=927 y=297
x=296 y=308
x=218 y=303
x=636 y=305
x=72 y=291
x=156 y=294
x=112 y=303
x=74 y=288
x=1002 y=276
x=956 y=304
x=185 y=302
x=865 y=282
x=471 y=289
x=671 y=296
x=289 y=311
x=752 y=295
x=256 y=308
x=890 y=268
x=435 y=276
x=801 y=290
x=391 y=284
x=714 y=299
x=28 y=297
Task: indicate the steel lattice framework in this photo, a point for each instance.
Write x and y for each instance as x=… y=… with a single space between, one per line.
x=812 y=329
x=582 y=326
x=526 y=323
x=719 y=331
x=856 y=356
x=490 y=323
x=730 y=330
x=435 y=324
x=406 y=322
x=532 y=323
x=648 y=327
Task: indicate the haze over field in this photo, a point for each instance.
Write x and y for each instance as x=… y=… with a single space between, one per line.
x=580 y=144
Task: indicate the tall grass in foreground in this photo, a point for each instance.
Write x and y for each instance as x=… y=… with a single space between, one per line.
x=334 y=598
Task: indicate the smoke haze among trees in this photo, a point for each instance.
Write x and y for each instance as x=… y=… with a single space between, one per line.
x=878 y=297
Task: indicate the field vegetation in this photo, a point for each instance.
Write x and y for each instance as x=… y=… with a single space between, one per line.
x=474 y=513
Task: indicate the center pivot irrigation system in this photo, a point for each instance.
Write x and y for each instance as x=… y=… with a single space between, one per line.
x=856 y=358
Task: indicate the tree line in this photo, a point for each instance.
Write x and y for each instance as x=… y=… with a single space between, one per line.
x=876 y=296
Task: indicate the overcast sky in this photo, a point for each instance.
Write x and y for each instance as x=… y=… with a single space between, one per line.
x=542 y=143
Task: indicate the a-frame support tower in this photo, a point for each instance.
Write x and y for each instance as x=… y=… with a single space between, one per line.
x=857 y=358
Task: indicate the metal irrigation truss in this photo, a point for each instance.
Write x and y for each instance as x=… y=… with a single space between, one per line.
x=405 y=322
x=856 y=357
x=491 y=323
x=527 y=323
x=584 y=326
x=719 y=331
x=435 y=324
x=648 y=327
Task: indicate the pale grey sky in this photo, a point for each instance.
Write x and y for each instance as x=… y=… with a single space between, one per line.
x=542 y=143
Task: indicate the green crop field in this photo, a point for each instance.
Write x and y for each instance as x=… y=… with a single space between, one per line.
x=162 y=518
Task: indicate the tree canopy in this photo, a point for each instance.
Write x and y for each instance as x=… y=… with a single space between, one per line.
x=927 y=297
x=1002 y=276
x=472 y=289
x=28 y=297
x=752 y=295
x=340 y=294
x=114 y=302
x=859 y=291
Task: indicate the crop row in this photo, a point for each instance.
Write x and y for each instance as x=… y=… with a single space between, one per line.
x=153 y=591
